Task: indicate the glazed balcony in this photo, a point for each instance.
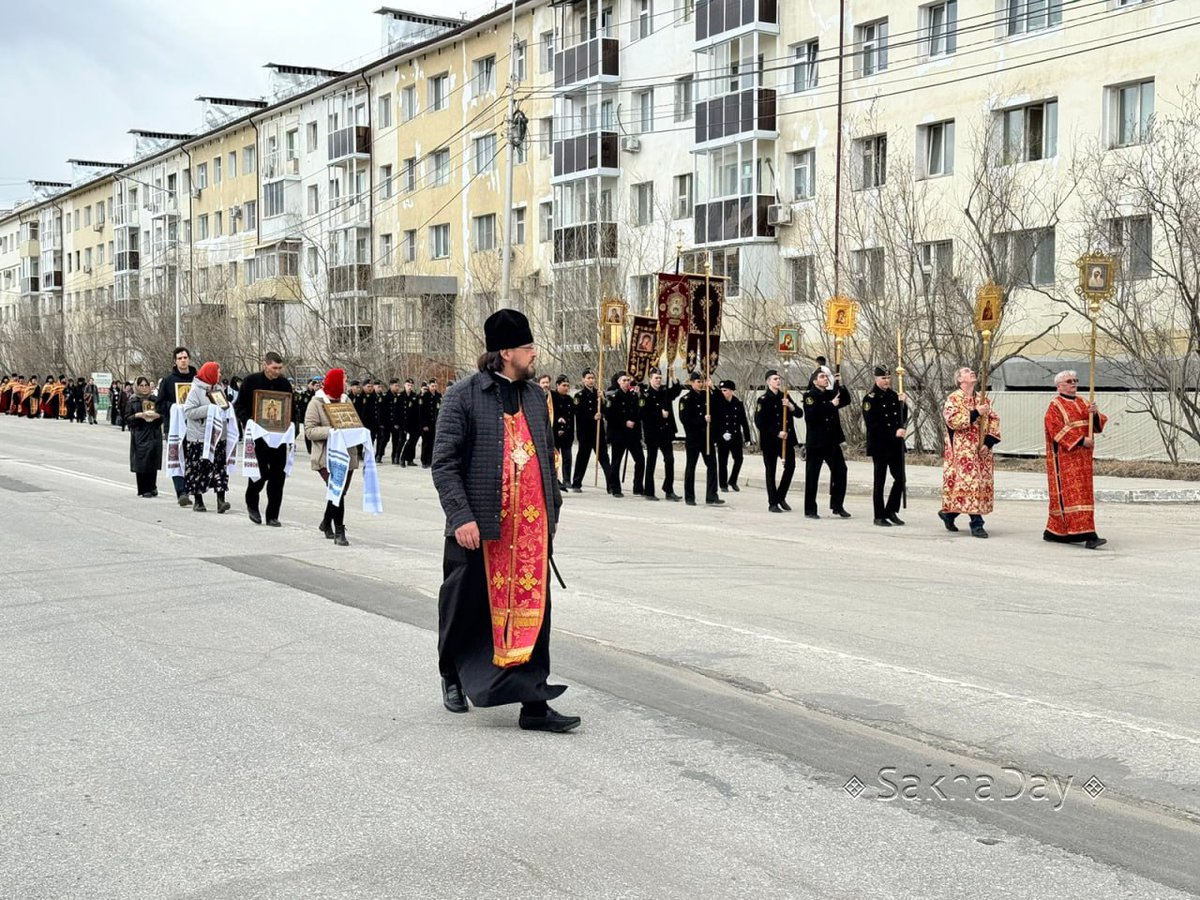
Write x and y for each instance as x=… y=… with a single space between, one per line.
x=746 y=114
x=595 y=153
x=350 y=279
x=581 y=243
x=350 y=143
x=733 y=219
x=720 y=19
x=596 y=60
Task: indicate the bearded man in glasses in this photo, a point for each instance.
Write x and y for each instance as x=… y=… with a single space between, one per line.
x=1069 y=448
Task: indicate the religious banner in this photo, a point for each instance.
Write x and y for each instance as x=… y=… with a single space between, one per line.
x=673 y=307
x=787 y=339
x=704 y=321
x=643 y=342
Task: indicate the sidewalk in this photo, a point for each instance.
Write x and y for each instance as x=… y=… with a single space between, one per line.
x=926 y=481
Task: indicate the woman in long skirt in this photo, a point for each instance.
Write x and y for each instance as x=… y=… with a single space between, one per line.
x=204 y=475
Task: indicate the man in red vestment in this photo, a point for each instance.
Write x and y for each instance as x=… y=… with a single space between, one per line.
x=493 y=467
x=1069 y=465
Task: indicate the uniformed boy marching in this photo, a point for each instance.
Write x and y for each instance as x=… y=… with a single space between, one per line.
x=697 y=422
x=885 y=414
x=733 y=432
x=777 y=440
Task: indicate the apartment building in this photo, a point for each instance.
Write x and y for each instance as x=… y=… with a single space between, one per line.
x=359 y=216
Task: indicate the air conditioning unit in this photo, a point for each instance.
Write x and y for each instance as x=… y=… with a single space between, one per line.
x=99 y=226
x=87 y=270
x=779 y=214
x=235 y=212
x=195 y=193
x=631 y=143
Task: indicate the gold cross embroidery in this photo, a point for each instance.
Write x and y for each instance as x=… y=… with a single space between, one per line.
x=498 y=580
x=531 y=513
x=527 y=581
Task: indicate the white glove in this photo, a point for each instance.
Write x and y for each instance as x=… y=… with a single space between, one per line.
x=727 y=436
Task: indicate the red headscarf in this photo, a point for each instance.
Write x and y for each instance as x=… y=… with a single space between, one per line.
x=335 y=384
x=209 y=373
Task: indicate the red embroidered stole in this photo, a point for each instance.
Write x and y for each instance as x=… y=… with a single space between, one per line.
x=516 y=564
x=1069 y=467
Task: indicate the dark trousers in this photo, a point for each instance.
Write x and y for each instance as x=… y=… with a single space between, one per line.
x=564 y=448
x=180 y=482
x=410 y=446
x=336 y=515
x=725 y=450
x=689 y=473
x=778 y=491
x=655 y=447
x=620 y=449
x=586 y=448
x=147 y=481
x=883 y=463
x=427 y=447
x=380 y=438
x=814 y=459
x=396 y=435
x=271 y=464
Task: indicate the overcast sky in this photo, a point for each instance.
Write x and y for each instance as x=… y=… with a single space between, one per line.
x=78 y=74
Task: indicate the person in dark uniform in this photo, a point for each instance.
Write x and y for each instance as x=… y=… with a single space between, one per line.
x=303 y=398
x=777 y=442
x=659 y=430
x=587 y=404
x=623 y=413
x=410 y=405
x=370 y=410
x=564 y=425
x=693 y=413
x=823 y=439
x=390 y=423
x=358 y=398
x=885 y=414
x=431 y=405
x=733 y=431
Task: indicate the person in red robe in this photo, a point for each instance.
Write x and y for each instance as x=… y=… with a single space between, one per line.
x=1069 y=450
x=6 y=389
x=972 y=430
x=493 y=467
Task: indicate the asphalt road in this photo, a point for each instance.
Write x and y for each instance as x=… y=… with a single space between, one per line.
x=193 y=706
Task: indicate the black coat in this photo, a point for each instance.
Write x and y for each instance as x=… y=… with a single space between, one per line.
x=585 y=402
x=410 y=411
x=468 y=453
x=824 y=421
x=564 y=419
x=166 y=393
x=729 y=417
x=622 y=407
x=431 y=407
x=243 y=407
x=145 y=438
x=768 y=419
x=883 y=415
x=692 y=409
x=658 y=428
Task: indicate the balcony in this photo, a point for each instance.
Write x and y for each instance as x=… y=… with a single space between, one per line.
x=350 y=143
x=349 y=279
x=596 y=60
x=165 y=204
x=351 y=212
x=126 y=215
x=30 y=248
x=597 y=153
x=593 y=240
x=733 y=219
x=748 y=113
x=126 y=261
x=52 y=281
x=278 y=288
x=30 y=285
x=718 y=18
x=276 y=167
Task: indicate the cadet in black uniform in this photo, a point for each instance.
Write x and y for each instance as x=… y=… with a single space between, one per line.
x=823 y=439
x=623 y=413
x=729 y=421
x=431 y=405
x=563 y=425
x=659 y=430
x=410 y=405
x=693 y=406
x=587 y=412
x=885 y=413
x=775 y=442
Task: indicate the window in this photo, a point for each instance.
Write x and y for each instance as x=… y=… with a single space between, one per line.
x=804 y=73
x=935 y=262
x=872 y=42
x=804 y=280
x=385 y=182
x=310 y=137
x=484 y=81
x=202 y=228
x=202 y=176
x=218 y=224
x=1131 y=113
x=408 y=246
x=1131 y=237
x=485 y=154
x=1032 y=15
x=439 y=167
x=87 y=218
x=519 y=60
x=546 y=136
x=1030 y=132
x=867 y=269
x=546 y=221
x=272 y=198
x=483 y=231
x=408 y=102
x=518 y=225
x=872 y=161
x=384 y=112
x=439 y=241
x=941 y=28
x=251 y=213
x=685 y=196
x=643 y=111
x=291 y=141
x=937 y=148
x=232 y=164
x=99 y=254
x=685 y=97
x=313 y=205
x=217 y=170
x=87 y=258
x=1025 y=257
x=439 y=91
x=643 y=25
x=643 y=203
x=385 y=249
x=409 y=175
x=249 y=159
x=804 y=178
x=727 y=262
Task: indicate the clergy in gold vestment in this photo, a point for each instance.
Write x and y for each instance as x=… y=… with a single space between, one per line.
x=1069 y=450
x=972 y=430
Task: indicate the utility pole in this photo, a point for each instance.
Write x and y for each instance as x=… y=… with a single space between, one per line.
x=513 y=140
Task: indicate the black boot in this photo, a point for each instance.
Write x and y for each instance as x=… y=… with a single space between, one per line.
x=326 y=525
x=198 y=505
x=222 y=506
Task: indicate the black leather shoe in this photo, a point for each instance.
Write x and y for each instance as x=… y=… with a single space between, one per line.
x=733 y=487
x=675 y=498
x=690 y=502
x=774 y=507
x=576 y=489
x=326 y=528
x=978 y=532
x=617 y=494
x=811 y=516
x=199 y=506
x=715 y=501
x=1095 y=543
x=783 y=505
x=452 y=697
x=895 y=519
x=339 y=539
x=254 y=516
x=841 y=513
x=650 y=497
x=883 y=523
x=948 y=521
x=551 y=721
x=185 y=500
x=274 y=523
x=725 y=490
